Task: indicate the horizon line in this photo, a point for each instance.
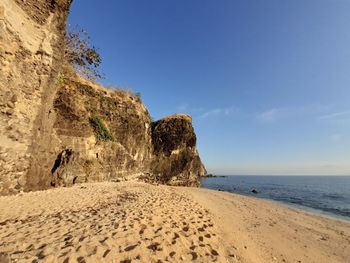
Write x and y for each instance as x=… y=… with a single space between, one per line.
x=345 y=175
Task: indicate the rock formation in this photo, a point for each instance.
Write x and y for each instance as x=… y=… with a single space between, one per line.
x=108 y=135
x=31 y=32
x=57 y=130
x=176 y=159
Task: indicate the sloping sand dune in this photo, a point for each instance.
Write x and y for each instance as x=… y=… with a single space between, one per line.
x=138 y=222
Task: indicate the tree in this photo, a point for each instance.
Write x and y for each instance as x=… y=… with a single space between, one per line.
x=81 y=55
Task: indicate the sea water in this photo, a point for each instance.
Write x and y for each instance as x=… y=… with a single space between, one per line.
x=329 y=195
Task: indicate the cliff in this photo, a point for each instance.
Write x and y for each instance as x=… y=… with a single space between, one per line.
x=31 y=33
x=107 y=134
x=57 y=130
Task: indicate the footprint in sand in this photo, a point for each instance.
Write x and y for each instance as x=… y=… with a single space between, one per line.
x=161 y=218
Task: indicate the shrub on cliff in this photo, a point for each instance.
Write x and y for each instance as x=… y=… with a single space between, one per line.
x=81 y=55
x=100 y=129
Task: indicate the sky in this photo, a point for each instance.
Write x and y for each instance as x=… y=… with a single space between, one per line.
x=267 y=82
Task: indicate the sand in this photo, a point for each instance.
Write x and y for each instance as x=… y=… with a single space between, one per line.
x=138 y=222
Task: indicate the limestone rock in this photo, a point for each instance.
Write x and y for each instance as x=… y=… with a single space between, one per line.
x=177 y=161
x=76 y=131
x=162 y=151
x=26 y=27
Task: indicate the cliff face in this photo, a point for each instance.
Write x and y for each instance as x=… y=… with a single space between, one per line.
x=108 y=135
x=107 y=132
x=30 y=34
x=56 y=130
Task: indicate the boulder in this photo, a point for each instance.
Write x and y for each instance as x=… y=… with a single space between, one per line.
x=254 y=191
x=176 y=160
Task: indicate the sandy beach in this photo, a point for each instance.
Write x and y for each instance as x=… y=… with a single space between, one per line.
x=138 y=222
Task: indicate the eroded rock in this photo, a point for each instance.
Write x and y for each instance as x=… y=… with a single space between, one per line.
x=45 y=124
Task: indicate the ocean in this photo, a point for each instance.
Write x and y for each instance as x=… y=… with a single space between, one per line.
x=327 y=195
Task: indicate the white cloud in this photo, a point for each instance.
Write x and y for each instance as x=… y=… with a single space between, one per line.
x=219 y=111
x=343 y=115
x=269 y=115
x=275 y=114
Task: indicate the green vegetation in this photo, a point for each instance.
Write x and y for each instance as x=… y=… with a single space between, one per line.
x=81 y=55
x=88 y=90
x=61 y=78
x=138 y=97
x=126 y=92
x=100 y=129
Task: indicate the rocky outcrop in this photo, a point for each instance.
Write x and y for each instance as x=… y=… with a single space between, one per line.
x=31 y=32
x=108 y=135
x=58 y=130
x=108 y=132
x=176 y=159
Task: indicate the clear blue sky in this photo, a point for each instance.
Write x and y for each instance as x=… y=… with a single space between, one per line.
x=266 y=81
